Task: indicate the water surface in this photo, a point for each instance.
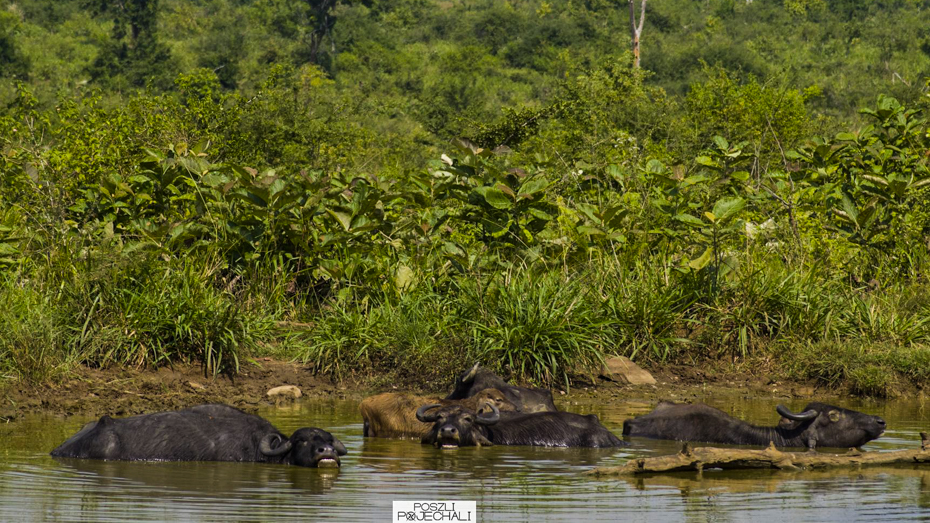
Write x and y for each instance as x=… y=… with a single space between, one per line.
x=508 y=483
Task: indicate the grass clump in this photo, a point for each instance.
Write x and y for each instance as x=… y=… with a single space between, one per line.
x=643 y=316
x=538 y=326
x=528 y=326
x=413 y=337
x=34 y=338
x=141 y=311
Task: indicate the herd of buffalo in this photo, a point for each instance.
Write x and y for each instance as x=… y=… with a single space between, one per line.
x=482 y=409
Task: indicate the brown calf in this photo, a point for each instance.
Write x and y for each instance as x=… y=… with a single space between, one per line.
x=393 y=414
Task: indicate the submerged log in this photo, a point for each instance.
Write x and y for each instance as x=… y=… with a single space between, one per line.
x=698 y=459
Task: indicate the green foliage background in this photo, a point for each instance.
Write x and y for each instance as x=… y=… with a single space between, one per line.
x=402 y=187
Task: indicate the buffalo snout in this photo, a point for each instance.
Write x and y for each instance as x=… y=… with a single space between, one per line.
x=448 y=436
x=317 y=455
x=326 y=456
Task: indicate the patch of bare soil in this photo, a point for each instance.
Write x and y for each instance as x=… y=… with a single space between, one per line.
x=126 y=392
x=692 y=383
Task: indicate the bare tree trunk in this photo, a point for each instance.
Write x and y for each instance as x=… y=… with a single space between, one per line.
x=636 y=29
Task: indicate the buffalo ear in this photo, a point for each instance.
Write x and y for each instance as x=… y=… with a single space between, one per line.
x=340 y=448
x=483 y=441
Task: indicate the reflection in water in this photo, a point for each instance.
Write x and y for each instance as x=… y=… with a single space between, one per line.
x=509 y=483
x=381 y=454
x=220 y=479
x=772 y=481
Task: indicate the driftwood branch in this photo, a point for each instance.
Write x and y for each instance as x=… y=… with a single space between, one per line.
x=771 y=458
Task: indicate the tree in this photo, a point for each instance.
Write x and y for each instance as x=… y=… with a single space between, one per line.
x=13 y=64
x=803 y=7
x=134 y=54
x=306 y=23
x=636 y=29
x=323 y=22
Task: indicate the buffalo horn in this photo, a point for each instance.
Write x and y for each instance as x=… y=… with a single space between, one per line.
x=490 y=419
x=804 y=416
x=471 y=374
x=422 y=416
x=340 y=448
x=266 y=448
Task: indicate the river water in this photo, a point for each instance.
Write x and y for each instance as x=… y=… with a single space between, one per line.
x=508 y=483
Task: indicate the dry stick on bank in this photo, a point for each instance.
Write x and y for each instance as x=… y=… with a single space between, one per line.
x=771 y=458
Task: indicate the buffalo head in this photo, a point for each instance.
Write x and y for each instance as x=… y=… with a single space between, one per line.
x=487 y=398
x=825 y=425
x=305 y=448
x=454 y=426
x=524 y=399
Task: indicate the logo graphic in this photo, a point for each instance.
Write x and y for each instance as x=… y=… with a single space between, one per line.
x=442 y=511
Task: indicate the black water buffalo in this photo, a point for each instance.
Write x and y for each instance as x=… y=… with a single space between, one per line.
x=476 y=379
x=202 y=433
x=818 y=425
x=458 y=427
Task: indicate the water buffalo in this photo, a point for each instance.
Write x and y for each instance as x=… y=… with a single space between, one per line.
x=457 y=427
x=393 y=415
x=202 y=433
x=818 y=425
x=476 y=379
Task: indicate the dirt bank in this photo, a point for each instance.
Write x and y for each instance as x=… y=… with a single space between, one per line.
x=127 y=391
x=124 y=392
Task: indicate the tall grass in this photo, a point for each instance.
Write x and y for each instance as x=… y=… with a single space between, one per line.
x=537 y=323
x=137 y=310
x=34 y=336
x=644 y=316
x=765 y=301
x=536 y=326
x=873 y=369
x=158 y=314
x=415 y=337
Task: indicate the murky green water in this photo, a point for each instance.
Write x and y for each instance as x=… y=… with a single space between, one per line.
x=508 y=483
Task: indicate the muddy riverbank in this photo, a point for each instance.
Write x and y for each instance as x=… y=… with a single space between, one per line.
x=128 y=391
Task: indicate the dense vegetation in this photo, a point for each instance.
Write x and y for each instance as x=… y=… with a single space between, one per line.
x=406 y=186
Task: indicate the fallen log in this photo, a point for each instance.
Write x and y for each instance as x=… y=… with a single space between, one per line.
x=698 y=459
